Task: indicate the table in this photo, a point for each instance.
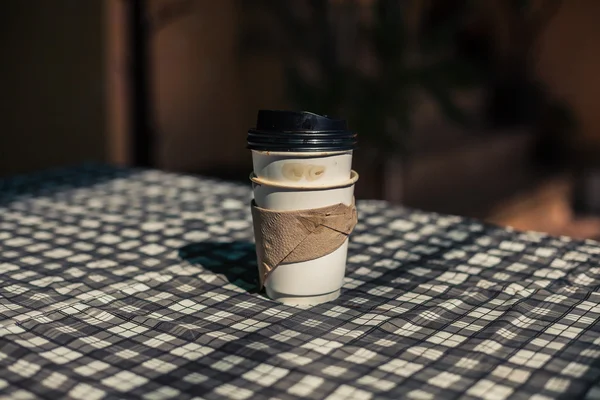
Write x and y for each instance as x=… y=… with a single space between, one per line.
x=125 y=283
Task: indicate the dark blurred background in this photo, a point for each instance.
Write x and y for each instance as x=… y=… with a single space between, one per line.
x=484 y=108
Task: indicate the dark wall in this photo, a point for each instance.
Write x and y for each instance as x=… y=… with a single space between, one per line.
x=52 y=81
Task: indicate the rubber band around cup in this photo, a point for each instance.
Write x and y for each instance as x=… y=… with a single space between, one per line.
x=264 y=182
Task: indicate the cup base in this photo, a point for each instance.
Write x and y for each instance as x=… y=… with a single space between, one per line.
x=292 y=300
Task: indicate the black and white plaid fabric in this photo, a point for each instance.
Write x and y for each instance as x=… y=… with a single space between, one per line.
x=126 y=283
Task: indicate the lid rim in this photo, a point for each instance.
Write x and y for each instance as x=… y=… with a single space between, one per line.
x=332 y=142
x=290 y=131
x=299 y=132
x=286 y=149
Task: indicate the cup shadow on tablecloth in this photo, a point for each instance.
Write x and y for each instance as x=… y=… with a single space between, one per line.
x=235 y=260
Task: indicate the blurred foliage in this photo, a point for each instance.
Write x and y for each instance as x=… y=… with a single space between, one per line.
x=510 y=30
x=363 y=60
x=371 y=61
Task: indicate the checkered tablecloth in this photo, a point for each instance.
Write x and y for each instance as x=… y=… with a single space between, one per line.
x=120 y=283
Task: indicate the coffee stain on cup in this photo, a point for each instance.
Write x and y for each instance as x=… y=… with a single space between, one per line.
x=293 y=171
x=315 y=172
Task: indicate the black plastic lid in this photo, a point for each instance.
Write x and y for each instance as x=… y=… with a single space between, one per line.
x=300 y=132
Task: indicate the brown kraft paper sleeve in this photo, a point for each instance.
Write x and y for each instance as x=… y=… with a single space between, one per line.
x=297 y=236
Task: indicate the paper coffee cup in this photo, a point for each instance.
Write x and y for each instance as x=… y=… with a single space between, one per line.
x=314 y=281
x=303 y=161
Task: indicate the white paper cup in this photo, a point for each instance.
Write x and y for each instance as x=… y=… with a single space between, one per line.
x=315 y=169
x=303 y=161
x=315 y=281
